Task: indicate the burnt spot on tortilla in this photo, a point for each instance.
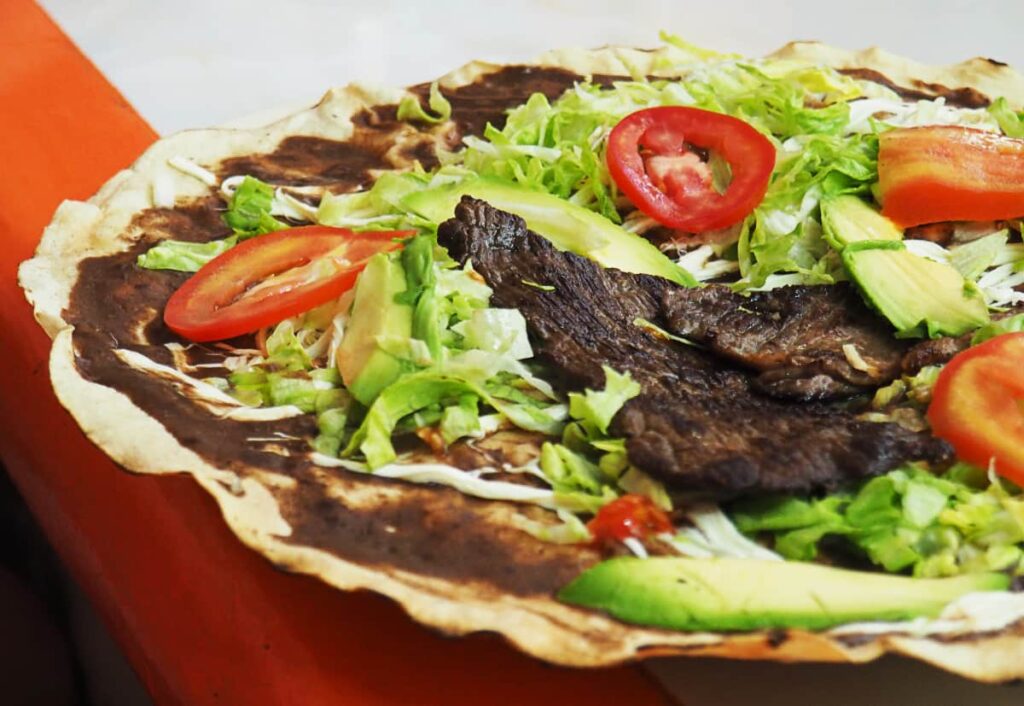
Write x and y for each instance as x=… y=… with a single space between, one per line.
x=776 y=637
x=960 y=97
x=995 y=62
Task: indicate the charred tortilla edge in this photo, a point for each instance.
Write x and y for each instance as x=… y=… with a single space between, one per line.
x=538 y=625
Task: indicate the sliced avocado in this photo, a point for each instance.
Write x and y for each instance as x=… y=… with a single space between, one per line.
x=848 y=219
x=748 y=594
x=919 y=296
x=364 y=366
x=568 y=226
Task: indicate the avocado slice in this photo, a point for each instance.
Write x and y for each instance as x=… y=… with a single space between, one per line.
x=749 y=594
x=919 y=296
x=365 y=367
x=566 y=225
x=847 y=219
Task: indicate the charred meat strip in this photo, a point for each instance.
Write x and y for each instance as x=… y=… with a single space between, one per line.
x=583 y=316
x=699 y=424
x=807 y=342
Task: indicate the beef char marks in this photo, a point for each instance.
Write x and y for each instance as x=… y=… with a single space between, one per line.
x=699 y=425
x=797 y=337
x=581 y=317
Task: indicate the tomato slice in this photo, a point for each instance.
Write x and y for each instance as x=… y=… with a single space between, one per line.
x=650 y=159
x=948 y=173
x=978 y=405
x=267 y=279
x=629 y=516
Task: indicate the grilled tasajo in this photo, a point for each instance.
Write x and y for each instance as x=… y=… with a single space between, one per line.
x=701 y=423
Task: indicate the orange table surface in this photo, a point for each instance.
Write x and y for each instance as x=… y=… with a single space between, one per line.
x=202 y=619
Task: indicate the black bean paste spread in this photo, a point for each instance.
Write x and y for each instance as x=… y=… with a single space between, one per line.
x=427 y=530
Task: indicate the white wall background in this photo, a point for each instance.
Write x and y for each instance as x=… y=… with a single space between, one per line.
x=191 y=63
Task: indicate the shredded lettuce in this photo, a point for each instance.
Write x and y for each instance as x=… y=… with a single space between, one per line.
x=248 y=211
x=419 y=391
x=588 y=469
x=907 y=519
x=595 y=409
x=285 y=350
x=379 y=208
x=1011 y=324
x=410 y=108
x=784 y=233
x=462 y=419
x=248 y=214
x=1010 y=121
x=917 y=389
x=569 y=530
x=973 y=258
x=183 y=256
x=500 y=331
x=991 y=261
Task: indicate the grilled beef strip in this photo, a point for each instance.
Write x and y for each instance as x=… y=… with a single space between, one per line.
x=793 y=336
x=699 y=424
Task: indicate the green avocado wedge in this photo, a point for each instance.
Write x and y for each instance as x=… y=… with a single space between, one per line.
x=920 y=297
x=746 y=594
x=364 y=366
x=566 y=225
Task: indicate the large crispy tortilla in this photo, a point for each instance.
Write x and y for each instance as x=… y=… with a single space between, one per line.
x=453 y=562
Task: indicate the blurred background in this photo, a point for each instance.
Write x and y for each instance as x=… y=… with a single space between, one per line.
x=195 y=63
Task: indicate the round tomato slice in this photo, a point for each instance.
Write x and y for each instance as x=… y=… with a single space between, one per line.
x=267 y=279
x=650 y=159
x=978 y=405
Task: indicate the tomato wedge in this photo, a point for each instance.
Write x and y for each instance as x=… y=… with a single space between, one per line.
x=650 y=158
x=978 y=405
x=267 y=279
x=948 y=173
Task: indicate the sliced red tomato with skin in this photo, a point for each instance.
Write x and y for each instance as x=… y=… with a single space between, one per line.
x=267 y=279
x=948 y=173
x=978 y=405
x=629 y=516
x=651 y=160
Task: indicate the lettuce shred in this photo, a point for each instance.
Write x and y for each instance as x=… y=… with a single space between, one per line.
x=963 y=521
x=433 y=392
x=248 y=215
x=1011 y=324
x=248 y=211
x=589 y=468
x=1010 y=121
x=183 y=256
x=410 y=108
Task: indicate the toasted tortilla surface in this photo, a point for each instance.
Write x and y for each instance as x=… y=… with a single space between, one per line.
x=453 y=562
